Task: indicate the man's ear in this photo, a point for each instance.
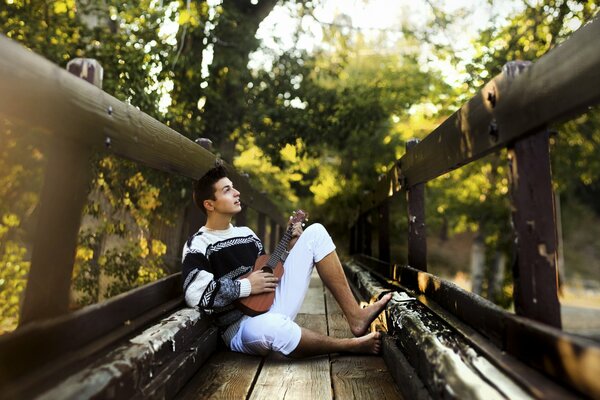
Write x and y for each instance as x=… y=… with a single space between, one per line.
x=208 y=205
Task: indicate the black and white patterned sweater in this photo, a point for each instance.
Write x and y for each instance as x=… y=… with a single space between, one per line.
x=212 y=263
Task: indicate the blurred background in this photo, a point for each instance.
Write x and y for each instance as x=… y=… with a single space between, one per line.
x=314 y=100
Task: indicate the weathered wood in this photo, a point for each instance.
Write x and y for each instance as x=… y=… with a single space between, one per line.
x=337 y=324
x=360 y=234
x=87 y=69
x=241 y=218
x=133 y=367
x=353 y=247
x=408 y=382
x=173 y=376
x=313 y=302
x=559 y=85
x=535 y=274
x=417 y=235
x=368 y=235
x=227 y=375
x=53 y=342
x=273 y=236
x=84 y=114
x=459 y=371
x=55 y=239
x=362 y=377
x=545 y=348
x=384 y=231
x=60 y=211
x=562 y=83
x=262 y=227
x=282 y=378
x=527 y=377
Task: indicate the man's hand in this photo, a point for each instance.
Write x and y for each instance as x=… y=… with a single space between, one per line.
x=296 y=232
x=262 y=282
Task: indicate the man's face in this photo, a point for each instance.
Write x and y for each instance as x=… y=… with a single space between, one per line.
x=227 y=198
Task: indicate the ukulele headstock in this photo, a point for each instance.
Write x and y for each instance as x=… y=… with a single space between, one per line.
x=298 y=216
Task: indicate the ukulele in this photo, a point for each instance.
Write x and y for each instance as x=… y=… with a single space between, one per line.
x=257 y=304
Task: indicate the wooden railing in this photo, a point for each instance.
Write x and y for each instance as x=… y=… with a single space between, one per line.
x=78 y=119
x=513 y=111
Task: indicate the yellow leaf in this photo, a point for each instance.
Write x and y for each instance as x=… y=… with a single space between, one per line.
x=60 y=7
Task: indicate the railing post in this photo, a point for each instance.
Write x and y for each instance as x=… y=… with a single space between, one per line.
x=535 y=274
x=368 y=227
x=262 y=227
x=273 y=236
x=353 y=238
x=384 y=231
x=67 y=182
x=360 y=238
x=241 y=217
x=417 y=238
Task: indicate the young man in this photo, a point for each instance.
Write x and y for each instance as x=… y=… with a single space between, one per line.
x=219 y=254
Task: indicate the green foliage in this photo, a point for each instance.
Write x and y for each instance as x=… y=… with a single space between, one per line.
x=21 y=162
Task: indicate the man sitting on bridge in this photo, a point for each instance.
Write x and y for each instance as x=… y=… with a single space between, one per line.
x=219 y=254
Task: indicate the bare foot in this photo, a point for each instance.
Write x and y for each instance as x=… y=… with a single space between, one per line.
x=359 y=325
x=368 y=344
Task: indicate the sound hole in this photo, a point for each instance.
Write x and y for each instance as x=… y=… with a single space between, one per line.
x=267 y=269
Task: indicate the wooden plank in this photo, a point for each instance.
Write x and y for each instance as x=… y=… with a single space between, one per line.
x=384 y=231
x=408 y=382
x=562 y=83
x=362 y=377
x=283 y=378
x=262 y=227
x=543 y=347
x=83 y=113
x=417 y=235
x=356 y=377
x=227 y=375
x=535 y=274
x=156 y=361
x=55 y=237
x=314 y=302
x=336 y=321
x=44 y=342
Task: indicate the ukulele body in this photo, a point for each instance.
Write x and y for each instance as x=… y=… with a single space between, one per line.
x=257 y=304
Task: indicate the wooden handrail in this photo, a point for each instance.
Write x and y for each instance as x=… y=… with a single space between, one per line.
x=562 y=83
x=73 y=109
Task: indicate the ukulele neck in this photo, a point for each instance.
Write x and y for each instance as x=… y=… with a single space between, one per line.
x=281 y=248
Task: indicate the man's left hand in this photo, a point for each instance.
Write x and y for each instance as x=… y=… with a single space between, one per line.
x=296 y=232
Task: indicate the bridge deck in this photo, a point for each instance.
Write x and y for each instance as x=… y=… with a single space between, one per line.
x=228 y=375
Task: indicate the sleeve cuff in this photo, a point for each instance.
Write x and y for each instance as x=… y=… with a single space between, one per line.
x=245 y=287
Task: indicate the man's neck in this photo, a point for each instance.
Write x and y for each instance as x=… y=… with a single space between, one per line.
x=217 y=222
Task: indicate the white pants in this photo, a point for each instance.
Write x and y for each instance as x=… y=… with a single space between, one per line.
x=276 y=330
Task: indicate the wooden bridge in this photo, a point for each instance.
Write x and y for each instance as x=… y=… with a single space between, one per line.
x=441 y=341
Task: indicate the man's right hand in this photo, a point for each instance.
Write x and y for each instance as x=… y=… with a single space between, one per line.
x=262 y=282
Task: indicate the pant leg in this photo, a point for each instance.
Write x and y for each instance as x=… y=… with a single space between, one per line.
x=312 y=246
x=267 y=332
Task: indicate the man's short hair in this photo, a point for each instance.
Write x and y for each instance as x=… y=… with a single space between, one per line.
x=204 y=188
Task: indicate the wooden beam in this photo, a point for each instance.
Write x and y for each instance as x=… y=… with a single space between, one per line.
x=417 y=234
x=262 y=227
x=64 y=194
x=561 y=84
x=85 y=331
x=272 y=236
x=535 y=274
x=60 y=210
x=384 y=231
x=84 y=114
x=558 y=86
x=569 y=359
